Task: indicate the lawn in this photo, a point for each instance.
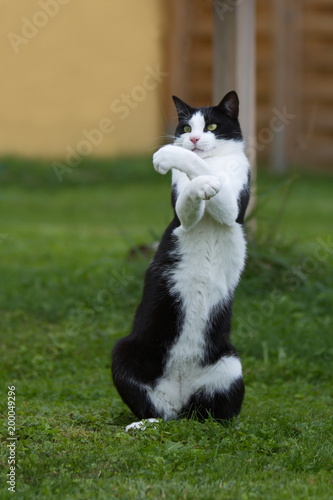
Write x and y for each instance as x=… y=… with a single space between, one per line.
x=73 y=256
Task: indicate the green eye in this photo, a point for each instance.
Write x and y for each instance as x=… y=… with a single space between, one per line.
x=212 y=127
x=187 y=129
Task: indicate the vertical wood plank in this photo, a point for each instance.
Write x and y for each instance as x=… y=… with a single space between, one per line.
x=245 y=71
x=234 y=59
x=234 y=65
x=177 y=13
x=224 y=49
x=287 y=80
x=279 y=152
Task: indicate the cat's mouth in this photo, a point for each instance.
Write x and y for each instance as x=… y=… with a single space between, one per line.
x=200 y=151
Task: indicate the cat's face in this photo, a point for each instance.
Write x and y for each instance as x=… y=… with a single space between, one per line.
x=205 y=130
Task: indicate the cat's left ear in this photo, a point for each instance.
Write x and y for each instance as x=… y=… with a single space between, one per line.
x=230 y=104
x=183 y=109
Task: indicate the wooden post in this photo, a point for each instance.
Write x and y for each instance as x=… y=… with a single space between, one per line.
x=287 y=69
x=234 y=59
x=178 y=13
x=279 y=157
x=234 y=63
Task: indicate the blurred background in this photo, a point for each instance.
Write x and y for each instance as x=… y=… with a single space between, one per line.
x=95 y=78
x=86 y=91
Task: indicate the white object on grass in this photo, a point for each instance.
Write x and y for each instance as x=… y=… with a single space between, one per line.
x=141 y=425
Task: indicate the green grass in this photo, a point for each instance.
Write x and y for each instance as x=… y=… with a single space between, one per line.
x=71 y=277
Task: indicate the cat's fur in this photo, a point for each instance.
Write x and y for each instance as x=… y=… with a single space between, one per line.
x=178 y=360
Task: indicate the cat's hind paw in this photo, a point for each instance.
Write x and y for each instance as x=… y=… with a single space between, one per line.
x=142 y=424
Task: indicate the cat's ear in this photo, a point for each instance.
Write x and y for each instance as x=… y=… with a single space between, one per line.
x=230 y=104
x=183 y=109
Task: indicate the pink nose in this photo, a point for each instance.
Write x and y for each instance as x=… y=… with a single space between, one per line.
x=194 y=139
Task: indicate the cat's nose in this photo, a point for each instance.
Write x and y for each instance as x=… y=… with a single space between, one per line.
x=194 y=139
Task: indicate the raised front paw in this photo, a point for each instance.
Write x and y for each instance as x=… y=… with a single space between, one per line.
x=161 y=161
x=206 y=186
x=169 y=157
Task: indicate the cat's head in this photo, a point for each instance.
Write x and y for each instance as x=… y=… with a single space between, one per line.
x=206 y=130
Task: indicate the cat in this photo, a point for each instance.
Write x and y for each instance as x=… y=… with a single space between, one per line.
x=178 y=361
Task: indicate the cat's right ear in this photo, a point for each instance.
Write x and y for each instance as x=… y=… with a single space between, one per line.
x=183 y=109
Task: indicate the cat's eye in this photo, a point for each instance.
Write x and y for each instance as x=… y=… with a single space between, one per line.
x=187 y=129
x=211 y=127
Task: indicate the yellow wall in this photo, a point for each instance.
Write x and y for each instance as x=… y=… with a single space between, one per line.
x=73 y=66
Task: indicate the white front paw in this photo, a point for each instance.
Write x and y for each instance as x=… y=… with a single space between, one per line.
x=206 y=186
x=162 y=160
x=169 y=157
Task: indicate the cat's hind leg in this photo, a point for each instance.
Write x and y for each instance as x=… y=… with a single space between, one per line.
x=136 y=397
x=138 y=401
x=221 y=406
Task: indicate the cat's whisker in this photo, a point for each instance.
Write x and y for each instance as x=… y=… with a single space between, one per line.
x=166 y=136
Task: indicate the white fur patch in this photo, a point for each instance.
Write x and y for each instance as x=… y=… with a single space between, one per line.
x=197 y=123
x=184 y=379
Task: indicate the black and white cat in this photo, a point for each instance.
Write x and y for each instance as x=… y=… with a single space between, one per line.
x=178 y=360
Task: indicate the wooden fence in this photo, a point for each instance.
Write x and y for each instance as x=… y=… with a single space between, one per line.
x=294 y=74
